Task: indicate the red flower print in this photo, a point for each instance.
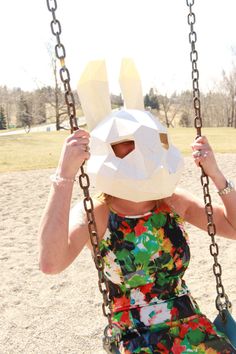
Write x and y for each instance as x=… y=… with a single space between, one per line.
x=140 y=228
x=178 y=264
x=126 y=227
x=177 y=348
x=174 y=313
x=183 y=330
x=207 y=325
x=193 y=324
x=162 y=349
x=146 y=289
x=125 y=319
x=121 y=303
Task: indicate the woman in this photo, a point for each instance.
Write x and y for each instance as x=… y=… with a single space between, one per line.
x=151 y=303
x=145 y=251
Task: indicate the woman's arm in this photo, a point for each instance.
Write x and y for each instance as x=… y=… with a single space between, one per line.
x=56 y=250
x=193 y=208
x=208 y=162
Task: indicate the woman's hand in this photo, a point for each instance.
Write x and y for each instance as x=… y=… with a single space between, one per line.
x=74 y=152
x=204 y=156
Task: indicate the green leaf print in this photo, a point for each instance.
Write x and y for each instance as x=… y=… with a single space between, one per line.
x=126 y=260
x=196 y=336
x=146 y=246
x=145 y=350
x=141 y=257
x=157 y=221
x=162 y=260
x=117 y=316
x=137 y=279
x=131 y=237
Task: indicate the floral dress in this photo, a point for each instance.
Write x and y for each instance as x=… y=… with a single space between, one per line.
x=145 y=260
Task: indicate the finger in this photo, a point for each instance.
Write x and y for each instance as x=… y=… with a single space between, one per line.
x=81 y=144
x=84 y=155
x=87 y=156
x=84 y=147
x=202 y=140
x=198 y=146
x=78 y=141
x=197 y=159
x=200 y=154
x=80 y=133
x=196 y=154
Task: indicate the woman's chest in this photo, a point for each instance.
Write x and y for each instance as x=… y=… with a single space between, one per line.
x=145 y=246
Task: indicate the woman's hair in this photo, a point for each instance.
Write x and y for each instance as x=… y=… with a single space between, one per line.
x=106 y=198
x=103 y=197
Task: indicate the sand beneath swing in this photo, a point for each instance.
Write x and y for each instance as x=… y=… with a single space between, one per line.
x=61 y=314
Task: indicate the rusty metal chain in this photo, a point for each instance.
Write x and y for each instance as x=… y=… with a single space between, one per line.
x=222 y=300
x=83 y=178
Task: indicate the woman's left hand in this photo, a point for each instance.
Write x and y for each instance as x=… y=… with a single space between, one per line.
x=204 y=156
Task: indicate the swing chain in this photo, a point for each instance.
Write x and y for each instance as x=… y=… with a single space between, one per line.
x=83 y=178
x=64 y=72
x=195 y=73
x=222 y=300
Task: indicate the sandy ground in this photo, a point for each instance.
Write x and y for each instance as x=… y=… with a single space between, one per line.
x=62 y=313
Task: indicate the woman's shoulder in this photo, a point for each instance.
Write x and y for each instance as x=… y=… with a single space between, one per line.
x=179 y=201
x=101 y=213
x=99 y=208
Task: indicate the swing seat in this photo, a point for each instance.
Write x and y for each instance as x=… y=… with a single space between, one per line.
x=227 y=326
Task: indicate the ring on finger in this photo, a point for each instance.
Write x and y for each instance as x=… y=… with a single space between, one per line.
x=198 y=153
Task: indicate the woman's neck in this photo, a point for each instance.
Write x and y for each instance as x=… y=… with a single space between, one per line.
x=128 y=207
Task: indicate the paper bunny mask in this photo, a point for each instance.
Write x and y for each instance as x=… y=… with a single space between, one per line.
x=153 y=168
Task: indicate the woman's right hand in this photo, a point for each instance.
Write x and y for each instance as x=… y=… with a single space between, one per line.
x=74 y=152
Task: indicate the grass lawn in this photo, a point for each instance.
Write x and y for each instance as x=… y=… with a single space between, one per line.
x=41 y=150
x=222 y=140
x=30 y=151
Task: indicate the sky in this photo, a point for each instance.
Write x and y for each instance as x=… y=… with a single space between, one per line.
x=152 y=32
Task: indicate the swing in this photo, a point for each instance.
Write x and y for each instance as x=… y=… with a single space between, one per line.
x=112 y=336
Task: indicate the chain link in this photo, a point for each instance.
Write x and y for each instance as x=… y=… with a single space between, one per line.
x=83 y=178
x=222 y=301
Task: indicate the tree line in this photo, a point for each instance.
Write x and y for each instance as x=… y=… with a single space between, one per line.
x=46 y=104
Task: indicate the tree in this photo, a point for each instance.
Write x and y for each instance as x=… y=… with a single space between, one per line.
x=170 y=107
x=151 y=100
x=24 y=116
x=116 y=101
x=184 y=120
x=58 y=103
x=3 y=121
x=147 y=102
x=186 y=103
x=6 y=103
x=229 y=85
x=39 y=99
x=214 y=109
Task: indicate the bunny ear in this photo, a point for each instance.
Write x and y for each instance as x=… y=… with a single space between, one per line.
x=94 y=93
x=130 y=85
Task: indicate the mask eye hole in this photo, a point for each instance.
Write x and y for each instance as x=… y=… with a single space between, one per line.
x=123 y=148
x=164 y=141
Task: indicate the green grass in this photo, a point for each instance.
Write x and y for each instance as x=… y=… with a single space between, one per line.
x=222 y=140
x=42 y=150
x=30 y=151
